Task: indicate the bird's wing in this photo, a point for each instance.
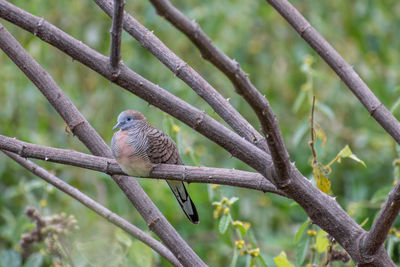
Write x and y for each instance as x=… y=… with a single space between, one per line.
x=162 y=149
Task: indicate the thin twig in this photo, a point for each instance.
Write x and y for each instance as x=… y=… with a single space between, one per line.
x=85 y=132
x=243 y=86
x=187 y=74
x=376 y=109
x=116 y=33
x=190 y=174
x=312 y=141
x=96 y=207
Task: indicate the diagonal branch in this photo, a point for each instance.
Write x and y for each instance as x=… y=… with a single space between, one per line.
x=241 y=82
x=183 y=173
x=81 y=128
x=377 y=235
x=96 y=207
x=187 y=74
x=116 y=33
x=357 y=86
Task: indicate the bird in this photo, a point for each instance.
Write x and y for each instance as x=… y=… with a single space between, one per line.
x=138 y=147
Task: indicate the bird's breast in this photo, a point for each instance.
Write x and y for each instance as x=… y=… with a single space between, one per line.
x=127 y=157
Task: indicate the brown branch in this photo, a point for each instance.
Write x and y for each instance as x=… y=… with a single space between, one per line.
x=243 y=86
x=376 y=236
x=322 y=209
x=116 y=33
x=376 y=109
x=183 y=173
x=96 y=207
x=141 y=87
x=81 y=128
x=187 y=74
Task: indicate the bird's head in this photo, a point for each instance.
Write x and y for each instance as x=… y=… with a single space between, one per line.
x=128 y=119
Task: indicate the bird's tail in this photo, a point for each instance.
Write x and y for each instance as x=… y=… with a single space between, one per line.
x=179 y=190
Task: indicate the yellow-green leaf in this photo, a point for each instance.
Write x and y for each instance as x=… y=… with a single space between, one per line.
x=321 y=242
x=282 y=261
x=323 y=182
x=347 y=153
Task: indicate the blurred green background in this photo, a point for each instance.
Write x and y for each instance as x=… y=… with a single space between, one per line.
x=280 y=64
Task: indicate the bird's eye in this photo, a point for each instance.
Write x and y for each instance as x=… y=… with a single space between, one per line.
x=128 y=119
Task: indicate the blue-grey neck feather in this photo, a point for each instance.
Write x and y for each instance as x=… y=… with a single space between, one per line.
x=137 y=138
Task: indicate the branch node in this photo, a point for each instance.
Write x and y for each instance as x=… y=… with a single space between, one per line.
x=373 y=109
x=116 y=71
x=304 y=29
x=75 y=123
x=179 y=67
x=107 y=169
x=364 y=257
x=199 y=119
x=40 y=23
x=21 y=151
x=152 y=223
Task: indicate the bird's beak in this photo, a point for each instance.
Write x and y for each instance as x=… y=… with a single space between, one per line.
x=116 y=126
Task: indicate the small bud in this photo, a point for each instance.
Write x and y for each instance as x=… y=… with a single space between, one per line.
x=254 y=252
x=175 y=128
x=215 y=186
x=237 y=223
x=43 y=203
x=226 y=210
x=239 y=244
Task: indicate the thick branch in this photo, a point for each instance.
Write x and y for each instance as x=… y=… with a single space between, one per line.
x=96 y=207
x=376 y=236
x=322 y=209
x=183 y=173
x=116 y=33
x=187 y=74
x=81 y=128
x=242 y=84
x=340 y=66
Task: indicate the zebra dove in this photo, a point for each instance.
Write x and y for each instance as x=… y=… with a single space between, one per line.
x=137 y=146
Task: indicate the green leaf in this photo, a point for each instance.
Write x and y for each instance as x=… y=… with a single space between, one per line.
x=242 y=230
x=249 y=260
x=300 y=132
x=321 y=242
x=301 y=230
x=123 y=237
x=302 y=249
x=325 y=109
x=234 y=257
x=10 y=258
x=262 y=261
x=381 y=194
x=224 y=223
x=282 y=261
x=233 y=200
x=347 y=153
x=299 y=100
x=395 y=106
x=35 y=260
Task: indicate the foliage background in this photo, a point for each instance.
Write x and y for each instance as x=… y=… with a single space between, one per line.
x=366 y=33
